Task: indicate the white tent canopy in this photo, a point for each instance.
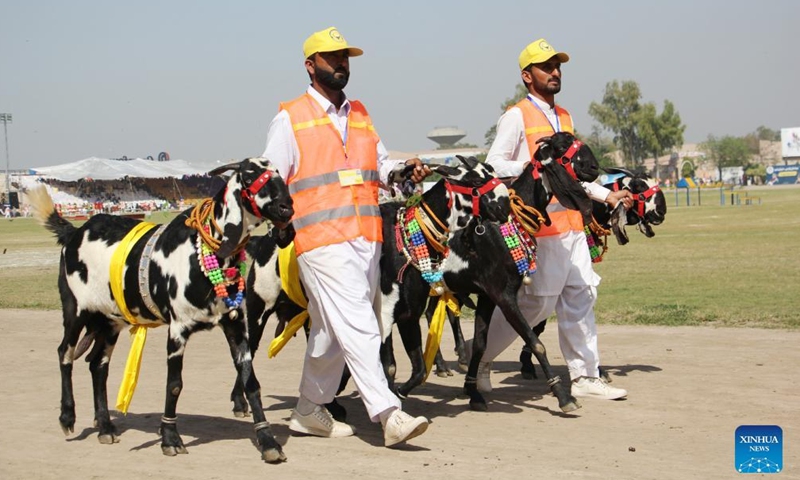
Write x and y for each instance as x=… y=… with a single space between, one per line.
x=95 y=168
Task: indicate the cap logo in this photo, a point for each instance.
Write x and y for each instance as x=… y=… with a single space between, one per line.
x=336 y=36
x=544 y=46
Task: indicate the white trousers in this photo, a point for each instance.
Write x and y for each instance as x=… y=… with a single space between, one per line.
x=577 y=332
x=342 y=284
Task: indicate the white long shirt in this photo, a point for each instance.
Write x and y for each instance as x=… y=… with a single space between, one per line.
x=282 y=149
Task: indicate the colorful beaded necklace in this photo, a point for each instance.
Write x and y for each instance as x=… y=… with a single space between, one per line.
x=411 y=241
x=521 y=247
x=209 y=264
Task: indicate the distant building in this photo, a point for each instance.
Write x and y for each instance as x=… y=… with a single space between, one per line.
x=446 y=136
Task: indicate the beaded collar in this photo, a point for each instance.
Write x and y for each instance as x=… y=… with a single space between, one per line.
x=209 y=264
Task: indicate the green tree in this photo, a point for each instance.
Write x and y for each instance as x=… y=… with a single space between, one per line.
x=761 y=133
x=660 y=132
x=619 y=113
x=601 y=146
x=520 y=93
x=725 y=152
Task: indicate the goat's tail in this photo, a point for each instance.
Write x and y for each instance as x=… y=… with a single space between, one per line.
x=45 y=212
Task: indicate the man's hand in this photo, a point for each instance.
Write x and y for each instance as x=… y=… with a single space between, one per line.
x=623 y=196
x=421 y=171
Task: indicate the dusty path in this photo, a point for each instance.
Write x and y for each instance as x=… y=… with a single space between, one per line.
x=689 y=390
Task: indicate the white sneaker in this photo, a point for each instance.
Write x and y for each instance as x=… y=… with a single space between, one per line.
x=319 y=423
x=596 y=388
x=483 y=377
x=401 y=426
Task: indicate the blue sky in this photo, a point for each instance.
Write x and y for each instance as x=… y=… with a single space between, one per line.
x=202 y=80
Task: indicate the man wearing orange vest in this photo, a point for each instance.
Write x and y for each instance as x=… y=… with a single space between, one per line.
x=564 y=281
x=334 y=161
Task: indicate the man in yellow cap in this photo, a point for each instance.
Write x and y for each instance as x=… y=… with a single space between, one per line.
x=564 y=281
x=326 y=147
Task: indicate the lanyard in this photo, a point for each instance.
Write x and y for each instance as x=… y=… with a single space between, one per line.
x=557 y=127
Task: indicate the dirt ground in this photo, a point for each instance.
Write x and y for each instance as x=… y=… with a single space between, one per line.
x=689 y=389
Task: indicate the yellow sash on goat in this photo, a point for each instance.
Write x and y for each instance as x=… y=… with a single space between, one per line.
x=138 y=332
x=446 y=300
x=290 y=282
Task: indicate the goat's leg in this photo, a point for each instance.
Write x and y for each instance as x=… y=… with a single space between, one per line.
x=171 y=442
x=99 y=359
x=73 y=326
x=566 y=401
x=257 y=316
x=388 y=361
x=528 y=369
x=483 y=316
x=236 y=333
x=410 y=333
x=458 y=336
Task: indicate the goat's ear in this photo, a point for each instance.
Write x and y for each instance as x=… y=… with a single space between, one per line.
x=569 y=192
x=224 y=168
x=470 y=162
x=646 y=229
x=614 y=170
x=618 y=224
x=446 y=171
x=545 y=140
x=231 y=235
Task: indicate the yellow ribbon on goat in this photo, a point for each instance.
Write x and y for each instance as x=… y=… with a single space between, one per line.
x=138 y=332
x=290 y=282
x=446 y=300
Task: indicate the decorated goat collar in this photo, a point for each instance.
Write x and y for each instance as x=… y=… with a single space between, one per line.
x=414 y=230
x=202 y=220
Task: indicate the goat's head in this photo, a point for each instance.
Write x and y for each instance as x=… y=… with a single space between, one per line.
x=556 y=156
x=254 y=193
x=649 y=203
x=474 y=191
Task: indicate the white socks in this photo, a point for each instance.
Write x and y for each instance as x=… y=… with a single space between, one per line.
x=305 y=406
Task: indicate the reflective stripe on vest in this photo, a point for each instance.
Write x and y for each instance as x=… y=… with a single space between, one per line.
x=326 y=212
x=538 y=126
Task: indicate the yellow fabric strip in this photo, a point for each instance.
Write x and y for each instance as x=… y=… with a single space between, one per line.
x=138 y=332
x=361 y=125
x=311 y=123
x=290 y=282
x=447 y=300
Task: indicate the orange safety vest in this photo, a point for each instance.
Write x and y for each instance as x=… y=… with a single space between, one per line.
x=537 y=126
x=335 y=190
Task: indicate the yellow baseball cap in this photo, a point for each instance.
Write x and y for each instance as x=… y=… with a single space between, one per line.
x=538 y=52
x=328 y=40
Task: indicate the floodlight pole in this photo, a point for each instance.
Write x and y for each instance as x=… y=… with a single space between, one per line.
x=6 y=119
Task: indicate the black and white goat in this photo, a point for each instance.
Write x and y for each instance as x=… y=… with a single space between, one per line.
x=163 y=283
x=463 y=192
x=479 y=263
x=649 y=208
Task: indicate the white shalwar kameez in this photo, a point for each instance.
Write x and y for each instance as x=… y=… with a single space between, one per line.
x=564 y=281
x=342 y=284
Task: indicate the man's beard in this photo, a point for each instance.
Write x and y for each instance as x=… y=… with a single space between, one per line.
x=330 y=80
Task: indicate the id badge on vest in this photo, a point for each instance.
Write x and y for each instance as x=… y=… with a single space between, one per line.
x=350 y=177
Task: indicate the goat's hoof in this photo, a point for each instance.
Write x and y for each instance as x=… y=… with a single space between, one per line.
x=241 y=414
x=67 y=429
x=570 y=406
x=463 y=367
x=171 y=451
x=443 y=373
x=108 y=439
x=478 y=406
x=273 y=455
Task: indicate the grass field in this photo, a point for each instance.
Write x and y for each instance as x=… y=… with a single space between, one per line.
x=709 y=264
